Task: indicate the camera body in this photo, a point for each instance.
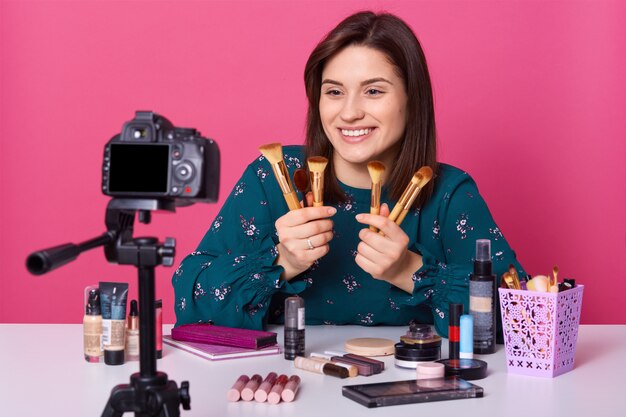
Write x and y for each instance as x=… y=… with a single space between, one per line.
x=153 y=159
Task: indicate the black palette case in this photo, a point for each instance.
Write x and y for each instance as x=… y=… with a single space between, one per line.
x=412 y=391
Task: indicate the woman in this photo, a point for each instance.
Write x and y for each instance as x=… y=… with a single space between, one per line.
x=370 y=99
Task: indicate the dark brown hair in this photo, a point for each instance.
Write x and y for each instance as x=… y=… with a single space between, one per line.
x=393 y=37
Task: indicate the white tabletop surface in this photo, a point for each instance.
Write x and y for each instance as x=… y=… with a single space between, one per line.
x=43 y=373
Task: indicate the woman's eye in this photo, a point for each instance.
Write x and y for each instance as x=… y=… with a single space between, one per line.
x=333 y=92
x=373 y=92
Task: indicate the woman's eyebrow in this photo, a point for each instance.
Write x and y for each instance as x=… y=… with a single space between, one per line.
x=329 y=81
x=376 y=80
x=366 y=82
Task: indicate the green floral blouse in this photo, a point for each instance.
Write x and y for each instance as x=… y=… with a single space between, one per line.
x=231 y=278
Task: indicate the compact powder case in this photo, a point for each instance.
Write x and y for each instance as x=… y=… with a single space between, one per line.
x=419 y=344
x=370 y=346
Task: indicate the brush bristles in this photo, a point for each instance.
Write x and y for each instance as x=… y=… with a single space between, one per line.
x=555 y=274
x=376 y=170
x=273 y=152
x=301 y=179
x=317 y=163
x=424 y=174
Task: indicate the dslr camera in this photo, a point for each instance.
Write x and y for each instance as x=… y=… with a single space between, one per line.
x=153 y=159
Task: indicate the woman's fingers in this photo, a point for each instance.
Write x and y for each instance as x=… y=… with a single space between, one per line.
x=390 y=229
x=304 y=215
x=304 y=223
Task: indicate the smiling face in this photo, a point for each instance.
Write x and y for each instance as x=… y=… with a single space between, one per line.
x=363 y=111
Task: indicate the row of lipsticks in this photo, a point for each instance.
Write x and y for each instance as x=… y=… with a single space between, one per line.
x=272 y=389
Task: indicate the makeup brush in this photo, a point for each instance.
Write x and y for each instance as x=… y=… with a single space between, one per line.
x=317 y=165
x=419 y=180
x=514 y=277
x=555 y=274
x=376 y=170
x=554 y=286
x=508 y=281
x=274 y=154
x=301 y=181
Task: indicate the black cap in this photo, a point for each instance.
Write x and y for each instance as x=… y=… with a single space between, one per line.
x=114 y=357
x=133 y=308
x=468 y=369
x=456 y=311
x=93 y=303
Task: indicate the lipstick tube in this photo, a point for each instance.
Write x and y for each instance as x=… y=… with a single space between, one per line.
x=454 y=331
x=260 y=395
x=352 y=370
x=247 y=393
x=275 y=395
x=326 y=368
x=234 y=394
x=291 y=388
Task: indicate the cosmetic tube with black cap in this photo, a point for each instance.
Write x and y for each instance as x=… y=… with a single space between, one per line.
x=294 y=327
x=482 y=288
x=454 y=330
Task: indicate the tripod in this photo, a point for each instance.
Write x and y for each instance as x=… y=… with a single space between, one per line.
x=149 y=392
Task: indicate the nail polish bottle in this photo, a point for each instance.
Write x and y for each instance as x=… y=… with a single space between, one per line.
x=132 y=333
x=92 y=327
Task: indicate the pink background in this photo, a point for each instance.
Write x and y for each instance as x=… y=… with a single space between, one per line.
x=530 y=99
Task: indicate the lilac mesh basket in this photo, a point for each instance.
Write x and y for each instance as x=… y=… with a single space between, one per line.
x=540 y=330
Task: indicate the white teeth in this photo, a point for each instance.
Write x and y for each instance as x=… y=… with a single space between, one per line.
x=359 y=132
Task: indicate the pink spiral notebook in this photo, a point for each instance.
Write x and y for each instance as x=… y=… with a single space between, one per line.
x=219 y=352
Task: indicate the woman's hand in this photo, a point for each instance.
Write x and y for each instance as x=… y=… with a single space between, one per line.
x=304 y=235
x=386 y=257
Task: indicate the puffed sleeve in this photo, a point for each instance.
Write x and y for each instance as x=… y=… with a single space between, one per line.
x=231 y=277
x=462 y=217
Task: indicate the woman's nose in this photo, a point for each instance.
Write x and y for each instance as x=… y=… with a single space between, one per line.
x=352 y=109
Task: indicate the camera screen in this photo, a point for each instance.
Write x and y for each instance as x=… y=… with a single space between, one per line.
x=139 y=168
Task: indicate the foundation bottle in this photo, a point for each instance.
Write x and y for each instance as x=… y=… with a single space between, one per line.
x=132 y=333
x=92 y=327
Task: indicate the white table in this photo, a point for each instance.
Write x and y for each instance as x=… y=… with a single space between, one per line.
x=43 y=373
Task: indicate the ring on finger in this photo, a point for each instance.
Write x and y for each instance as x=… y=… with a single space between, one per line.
x=311 y=247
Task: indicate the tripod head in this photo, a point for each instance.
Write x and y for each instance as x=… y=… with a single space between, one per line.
x=117 y=240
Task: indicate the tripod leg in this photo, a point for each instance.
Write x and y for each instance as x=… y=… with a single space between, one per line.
x=110 y=412
x=122 y=399
x=170 y=398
